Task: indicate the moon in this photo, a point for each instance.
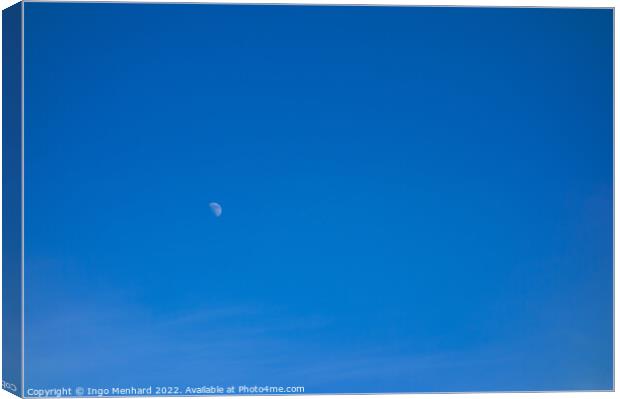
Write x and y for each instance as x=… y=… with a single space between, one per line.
x=216 y=208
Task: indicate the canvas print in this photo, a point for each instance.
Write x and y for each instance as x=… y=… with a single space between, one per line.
x=296 y=199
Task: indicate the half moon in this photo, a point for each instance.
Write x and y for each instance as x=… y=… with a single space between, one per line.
x=216 y=208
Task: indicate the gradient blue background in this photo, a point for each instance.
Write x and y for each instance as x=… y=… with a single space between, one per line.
x=415 y=199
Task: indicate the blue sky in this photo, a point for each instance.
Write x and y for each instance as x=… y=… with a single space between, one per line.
x=414 y=199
